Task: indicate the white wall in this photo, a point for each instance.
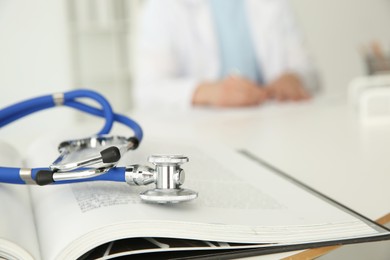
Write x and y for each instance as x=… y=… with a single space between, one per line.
x=336 y=30
x=34 y=60
x=34 y=53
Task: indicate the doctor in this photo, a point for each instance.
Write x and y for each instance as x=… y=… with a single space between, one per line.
x=225 y=53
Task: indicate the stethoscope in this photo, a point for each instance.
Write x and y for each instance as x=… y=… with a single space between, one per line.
x=95 y=158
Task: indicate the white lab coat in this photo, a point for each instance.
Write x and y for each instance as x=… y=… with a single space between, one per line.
x=178 y=48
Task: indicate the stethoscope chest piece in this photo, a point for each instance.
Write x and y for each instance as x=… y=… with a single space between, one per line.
x=168 y=177
x=165 y=196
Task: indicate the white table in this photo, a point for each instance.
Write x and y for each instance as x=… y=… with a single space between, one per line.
x=321 y=143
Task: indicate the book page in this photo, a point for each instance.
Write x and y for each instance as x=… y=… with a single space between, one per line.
x=239 y=201
x=18 y=238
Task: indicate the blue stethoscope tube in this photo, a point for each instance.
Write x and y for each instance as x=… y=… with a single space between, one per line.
x=70 y=99
x=19 y=110
x=12 y=175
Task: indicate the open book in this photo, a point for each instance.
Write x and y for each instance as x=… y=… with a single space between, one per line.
x=244 y=208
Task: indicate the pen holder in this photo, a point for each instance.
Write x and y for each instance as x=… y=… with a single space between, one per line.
x=370 y=97
x=378 y=65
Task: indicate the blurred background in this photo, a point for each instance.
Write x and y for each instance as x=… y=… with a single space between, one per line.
x=49 y=46
x=53 y=45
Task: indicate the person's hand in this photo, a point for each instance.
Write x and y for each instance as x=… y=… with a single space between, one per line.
x=233 y=91
x=286 y=88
